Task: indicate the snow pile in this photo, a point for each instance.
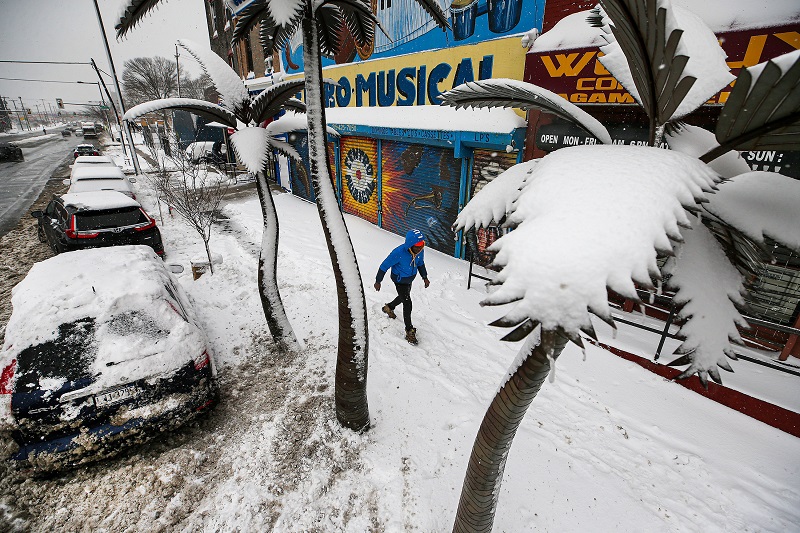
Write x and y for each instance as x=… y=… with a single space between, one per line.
x=108 y=285
x=591 y=217
x=96 y=172
x=761 y=204
x=429 y=117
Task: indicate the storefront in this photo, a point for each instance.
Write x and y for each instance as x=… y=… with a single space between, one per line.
x=399 y=174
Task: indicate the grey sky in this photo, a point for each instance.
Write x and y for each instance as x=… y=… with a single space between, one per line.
x=67 y=30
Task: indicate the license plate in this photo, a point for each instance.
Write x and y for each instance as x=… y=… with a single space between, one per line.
x=116 y=395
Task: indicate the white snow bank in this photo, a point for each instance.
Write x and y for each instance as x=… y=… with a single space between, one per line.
x=761 y=204
x=429 y=117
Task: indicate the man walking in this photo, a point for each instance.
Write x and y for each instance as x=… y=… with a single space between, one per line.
x=404 y=261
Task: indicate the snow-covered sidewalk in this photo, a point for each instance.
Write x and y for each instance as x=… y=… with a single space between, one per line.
x=607 y=446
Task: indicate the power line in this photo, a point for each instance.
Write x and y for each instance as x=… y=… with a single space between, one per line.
x=45 y=62
x=50 y=81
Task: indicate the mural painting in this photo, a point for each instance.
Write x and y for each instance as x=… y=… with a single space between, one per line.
x=359 y=170
x=420 y=191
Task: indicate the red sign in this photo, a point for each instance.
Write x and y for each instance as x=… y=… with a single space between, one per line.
x=578 y=76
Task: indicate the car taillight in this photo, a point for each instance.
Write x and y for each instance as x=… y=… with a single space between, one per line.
x=7 y=376
x=149 y=225
x=72 y=233
x=202 y=361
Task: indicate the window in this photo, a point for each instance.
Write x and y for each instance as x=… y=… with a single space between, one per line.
x=248 y=55
x=111 y=218
x=212 y=7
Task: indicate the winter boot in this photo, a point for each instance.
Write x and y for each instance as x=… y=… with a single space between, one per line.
x=389 y=311
x=411 y=336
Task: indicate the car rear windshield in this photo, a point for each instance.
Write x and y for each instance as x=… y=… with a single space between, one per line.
x=68 y=357
x=109 y=218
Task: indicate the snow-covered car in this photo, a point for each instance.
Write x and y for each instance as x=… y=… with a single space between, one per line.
x=102 y=350
x=198 y=150
x=92 y=173
x=10 y=152
x=96 y=219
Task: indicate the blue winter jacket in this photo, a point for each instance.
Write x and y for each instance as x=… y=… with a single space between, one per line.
x=404 y=266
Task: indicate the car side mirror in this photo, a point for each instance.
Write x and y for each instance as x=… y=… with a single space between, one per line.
x=175 y=268
x=37 y=214
x=132 y=180
x=66 y=181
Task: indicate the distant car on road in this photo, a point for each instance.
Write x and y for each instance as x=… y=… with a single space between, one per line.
x=85 y=149
x=10 y=152
x=96 y=219
x=78 y=132
x=66 y=132
x=103 y=350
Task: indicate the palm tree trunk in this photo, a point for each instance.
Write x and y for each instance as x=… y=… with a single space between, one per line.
x=351 y=364
x=277 y=321
x=481 y=487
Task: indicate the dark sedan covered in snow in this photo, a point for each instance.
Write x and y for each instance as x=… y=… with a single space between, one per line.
x=102 y=351
x=10 y=152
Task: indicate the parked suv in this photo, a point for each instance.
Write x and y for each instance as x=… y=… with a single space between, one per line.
x=84 y=149
x=96 y=219
x=96 y=174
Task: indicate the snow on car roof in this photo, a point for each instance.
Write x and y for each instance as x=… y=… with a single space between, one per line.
x=84 y=186
x=93 y=159
x=94 y=172
x=97 y=200
x=103 y=283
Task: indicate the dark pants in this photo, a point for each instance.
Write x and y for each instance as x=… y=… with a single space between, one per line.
x=403 y=297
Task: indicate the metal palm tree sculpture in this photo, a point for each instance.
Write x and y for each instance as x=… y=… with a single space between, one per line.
x=550 y=202
x=253 y=146
x=322 y=24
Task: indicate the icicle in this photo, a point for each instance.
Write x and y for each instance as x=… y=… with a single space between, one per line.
x=643 y=310
x=614 y=333
x=551 y=377
x=660 y=288
x=652 y=297
x=583 y=350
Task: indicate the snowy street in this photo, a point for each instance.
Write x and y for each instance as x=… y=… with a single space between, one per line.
x=607 y=446
x=21 y=182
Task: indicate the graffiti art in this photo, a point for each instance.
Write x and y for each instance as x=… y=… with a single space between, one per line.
x=359 y=175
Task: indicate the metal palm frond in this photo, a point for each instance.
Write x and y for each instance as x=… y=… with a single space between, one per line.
x=269 y=102
x=433 y=9
x=293 y=104
x=640 y=28
x=521 y=95
x=255 y=13
x=763 y=109
x=359 y=19
x=329 y=27
x=201 y=108
x=133 y=13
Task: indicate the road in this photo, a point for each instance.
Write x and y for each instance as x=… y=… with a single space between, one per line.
x=21 y=183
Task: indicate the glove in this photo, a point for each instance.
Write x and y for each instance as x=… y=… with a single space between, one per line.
x=377 y=286
x=427 y=282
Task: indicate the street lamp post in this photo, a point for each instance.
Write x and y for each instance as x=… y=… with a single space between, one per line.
x=25 y=112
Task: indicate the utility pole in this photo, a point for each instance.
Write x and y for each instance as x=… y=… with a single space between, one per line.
x=178 y=69
x=39 y=114
x=116 y=87
x=25 y=112
x=113 y=106
x=16 y=113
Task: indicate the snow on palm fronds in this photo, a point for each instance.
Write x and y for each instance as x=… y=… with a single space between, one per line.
x=761 y=204
x=201 y=108
x=503 y=92
x=666 y=57
x=496 y=199
x=588 y=218
x=695 y=141
x=709 y=288
x=234 y=95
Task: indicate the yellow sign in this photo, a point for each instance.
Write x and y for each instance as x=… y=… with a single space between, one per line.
x=419 y=79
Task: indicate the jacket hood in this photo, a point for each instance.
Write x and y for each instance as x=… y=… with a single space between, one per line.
x=413 y=237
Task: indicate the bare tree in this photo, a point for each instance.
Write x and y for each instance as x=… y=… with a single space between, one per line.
x=149 y=78
x=190 y=189
x=195 y=87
